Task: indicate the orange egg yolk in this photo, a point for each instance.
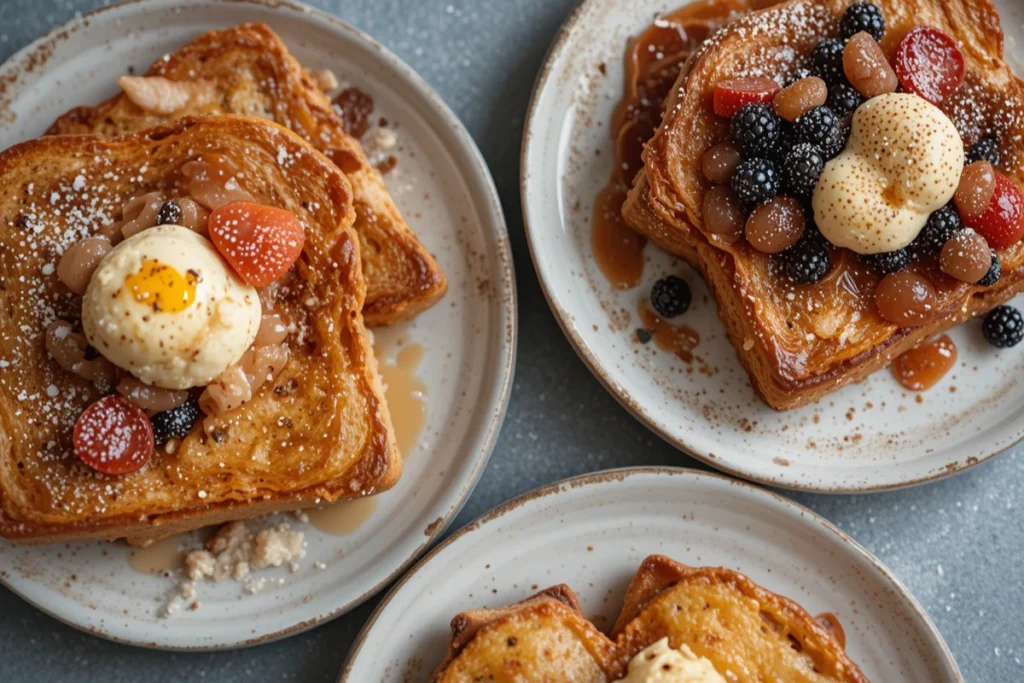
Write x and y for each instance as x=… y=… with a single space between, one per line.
x=163 y=288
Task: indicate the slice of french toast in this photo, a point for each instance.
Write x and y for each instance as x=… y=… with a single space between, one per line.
x=319 y=431
x=543 y=638
x=800 y=342
x=747 y=632
x=248 y=70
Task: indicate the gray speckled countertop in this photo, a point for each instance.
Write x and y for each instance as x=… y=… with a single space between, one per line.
x=957 y=544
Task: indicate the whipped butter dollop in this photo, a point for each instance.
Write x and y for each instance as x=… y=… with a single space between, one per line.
x=902 y=162
x=659 y=663
x=166 y=307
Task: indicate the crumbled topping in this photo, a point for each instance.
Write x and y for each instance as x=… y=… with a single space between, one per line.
x=236 y=549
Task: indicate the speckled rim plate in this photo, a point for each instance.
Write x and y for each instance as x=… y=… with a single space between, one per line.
x=443 y=186
x=591 y=532
x=866 y=437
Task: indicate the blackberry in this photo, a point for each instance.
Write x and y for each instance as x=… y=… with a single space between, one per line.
x=755 y=129
x=176 y=422
x=1003 y=327
x=941 y=226
x=170 y=213
x=812 y=231
x=801 y=168
x=995 y=272
x=806 y=262
x=986 y=149
x=843 y=99
x=787 y=138
x=755 y=181
x=671 y=296
x=887 y=262
x=862 y=16
x=827 y=57
x=823 y=129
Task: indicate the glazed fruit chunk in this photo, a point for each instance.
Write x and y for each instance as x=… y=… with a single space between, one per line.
x=977 y=184
x=966 y=257
x=929 y=63
x=732 y=94
x=866 y=68
x=906 y=298
x=795 y=100
x=113 y=436
x=260 y=242
x=776 y=226
x=719 y=162
x=723 y=213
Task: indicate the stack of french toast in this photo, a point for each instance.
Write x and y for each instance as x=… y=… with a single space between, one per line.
x=187 y=273
x=677 y=624
x=846 y=176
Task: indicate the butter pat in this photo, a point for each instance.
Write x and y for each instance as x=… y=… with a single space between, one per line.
x=659 y=663
x=902 y=162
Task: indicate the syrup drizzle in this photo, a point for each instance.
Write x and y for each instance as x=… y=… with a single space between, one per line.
x=654 y=60
x=678 y=339
x=406 y=395
x=831 y=624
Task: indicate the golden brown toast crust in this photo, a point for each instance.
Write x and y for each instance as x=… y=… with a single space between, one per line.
x=319 y=433
x=720 y=614
x=254 y=74
x=543 y=638
x=801 y=342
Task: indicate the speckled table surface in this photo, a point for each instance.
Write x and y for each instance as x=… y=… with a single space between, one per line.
x=956 y=544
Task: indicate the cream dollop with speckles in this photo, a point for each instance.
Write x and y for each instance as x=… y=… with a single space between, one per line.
x=172 y=349
x=659 y=663
x=902 y=162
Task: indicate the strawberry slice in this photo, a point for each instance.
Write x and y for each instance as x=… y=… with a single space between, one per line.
x=733 y=94
x=260 y=242
x=1002 y=223
x=929 y=64
x=113 y=436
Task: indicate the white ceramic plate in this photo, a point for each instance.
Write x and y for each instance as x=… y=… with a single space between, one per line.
x=592 y=532
x=869 y=436
x=442 y=185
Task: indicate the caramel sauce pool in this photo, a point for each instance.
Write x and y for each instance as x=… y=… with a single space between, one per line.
x=653 y=62
x=162 y=556
x=618 y=249
x=344 y=517
x=406 y=395
x=678 y=339
x=922 y=367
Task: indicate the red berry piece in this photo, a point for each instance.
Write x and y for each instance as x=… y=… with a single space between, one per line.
x=732 y=94
x=260 y=242
x=1002 y=224
x=929 y=63
x=113 y=436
